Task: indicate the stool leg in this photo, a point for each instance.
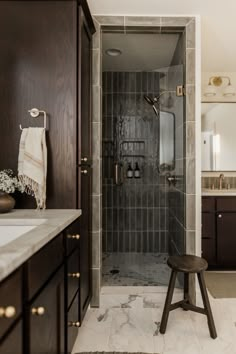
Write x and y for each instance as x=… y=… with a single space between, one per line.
x=169 y=296
x=207 y=305
x=186 y=288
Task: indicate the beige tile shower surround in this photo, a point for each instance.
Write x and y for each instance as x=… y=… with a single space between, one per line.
x=189 y=192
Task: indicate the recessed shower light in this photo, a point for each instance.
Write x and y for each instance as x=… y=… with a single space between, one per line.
x=113 y=52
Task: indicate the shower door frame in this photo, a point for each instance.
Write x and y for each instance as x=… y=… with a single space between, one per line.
x=192 y=130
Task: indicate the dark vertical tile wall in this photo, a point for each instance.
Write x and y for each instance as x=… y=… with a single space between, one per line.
x=134 y=213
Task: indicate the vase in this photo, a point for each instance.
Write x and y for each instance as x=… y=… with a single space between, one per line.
x=7 y=203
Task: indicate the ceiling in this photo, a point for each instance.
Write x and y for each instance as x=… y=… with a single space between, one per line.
x=140 y=52
x=218 y=24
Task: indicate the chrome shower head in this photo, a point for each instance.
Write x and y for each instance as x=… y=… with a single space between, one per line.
x=151 y=102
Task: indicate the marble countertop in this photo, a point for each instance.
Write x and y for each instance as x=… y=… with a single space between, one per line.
x=49 y=223
x=218 y=192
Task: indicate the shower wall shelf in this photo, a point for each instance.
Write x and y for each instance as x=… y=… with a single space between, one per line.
x=142 y=156
x=133 y=148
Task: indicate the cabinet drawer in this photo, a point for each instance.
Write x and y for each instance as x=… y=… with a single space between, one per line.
x=42 y=265
x=72 y=237
x=208 y=203
x=73 y=276
x=10 y=300
x=73 y=323
x=226 y=204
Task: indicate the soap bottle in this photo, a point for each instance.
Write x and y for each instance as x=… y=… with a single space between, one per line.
x=137 y=171
x=130 y=172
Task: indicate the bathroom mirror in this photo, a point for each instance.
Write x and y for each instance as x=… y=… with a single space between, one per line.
x=218 y=138
x=167 y=141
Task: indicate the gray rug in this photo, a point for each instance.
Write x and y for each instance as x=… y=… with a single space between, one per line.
x=221 y=285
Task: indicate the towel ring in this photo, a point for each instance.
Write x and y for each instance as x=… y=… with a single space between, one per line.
x=35 y=112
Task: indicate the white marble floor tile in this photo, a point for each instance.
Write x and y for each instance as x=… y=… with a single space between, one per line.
x=121 y=301
x=126 y=290
x=132 y=331
x=129 y=320
x=95 y=332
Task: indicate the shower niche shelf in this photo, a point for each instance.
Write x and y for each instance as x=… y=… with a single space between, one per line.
x=133 y=148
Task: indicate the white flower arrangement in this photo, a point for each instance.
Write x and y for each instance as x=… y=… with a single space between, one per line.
x=9 y=183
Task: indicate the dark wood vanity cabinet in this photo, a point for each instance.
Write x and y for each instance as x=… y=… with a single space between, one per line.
x=45 y=297
x=11 y=328
x=46 y=62
x=219 y=231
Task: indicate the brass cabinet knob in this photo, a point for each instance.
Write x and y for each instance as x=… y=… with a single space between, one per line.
x=84 y=172
x=73 y=324
x=74 y=237
x=7 y=312
x=74 y=275
x=39 y=311
x=84 y=159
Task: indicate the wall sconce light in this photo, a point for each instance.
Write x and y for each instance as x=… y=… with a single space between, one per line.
x=216 y=81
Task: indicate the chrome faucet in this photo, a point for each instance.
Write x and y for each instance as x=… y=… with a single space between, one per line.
x=221 y=178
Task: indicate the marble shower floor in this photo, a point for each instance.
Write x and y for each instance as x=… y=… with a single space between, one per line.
x=135 y=269
x=129 y=318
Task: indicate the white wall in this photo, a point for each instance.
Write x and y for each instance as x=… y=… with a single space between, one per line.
x=218 y=24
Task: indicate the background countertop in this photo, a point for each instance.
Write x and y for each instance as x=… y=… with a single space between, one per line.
x=218 y=192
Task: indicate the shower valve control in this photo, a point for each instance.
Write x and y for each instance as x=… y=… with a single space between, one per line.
x=172 y=180
x=180 y=90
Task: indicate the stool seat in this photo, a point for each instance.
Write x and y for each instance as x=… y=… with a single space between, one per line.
x=187 y=263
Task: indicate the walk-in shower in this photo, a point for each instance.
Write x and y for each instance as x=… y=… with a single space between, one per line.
x=141 y=148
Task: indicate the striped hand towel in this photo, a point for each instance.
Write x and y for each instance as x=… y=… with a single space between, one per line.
x=32 y=164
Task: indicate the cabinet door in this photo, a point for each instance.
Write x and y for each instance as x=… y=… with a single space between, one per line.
x=72 y=323
x=73 y=275
x=39 y=65
x=85 y=51
x=12 y=344
x=10 y=300
x=46 y=318
x=209 y=238
x=226 y=239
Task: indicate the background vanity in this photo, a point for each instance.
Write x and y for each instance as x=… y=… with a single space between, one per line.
x=219 y=184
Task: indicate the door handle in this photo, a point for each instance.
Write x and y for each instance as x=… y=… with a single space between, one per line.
x=84 y=161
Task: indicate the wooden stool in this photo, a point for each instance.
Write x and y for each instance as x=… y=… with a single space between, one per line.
x=187 y=264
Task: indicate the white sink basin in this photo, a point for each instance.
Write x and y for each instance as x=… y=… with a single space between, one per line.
x=10 y=230
x=10 y=233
